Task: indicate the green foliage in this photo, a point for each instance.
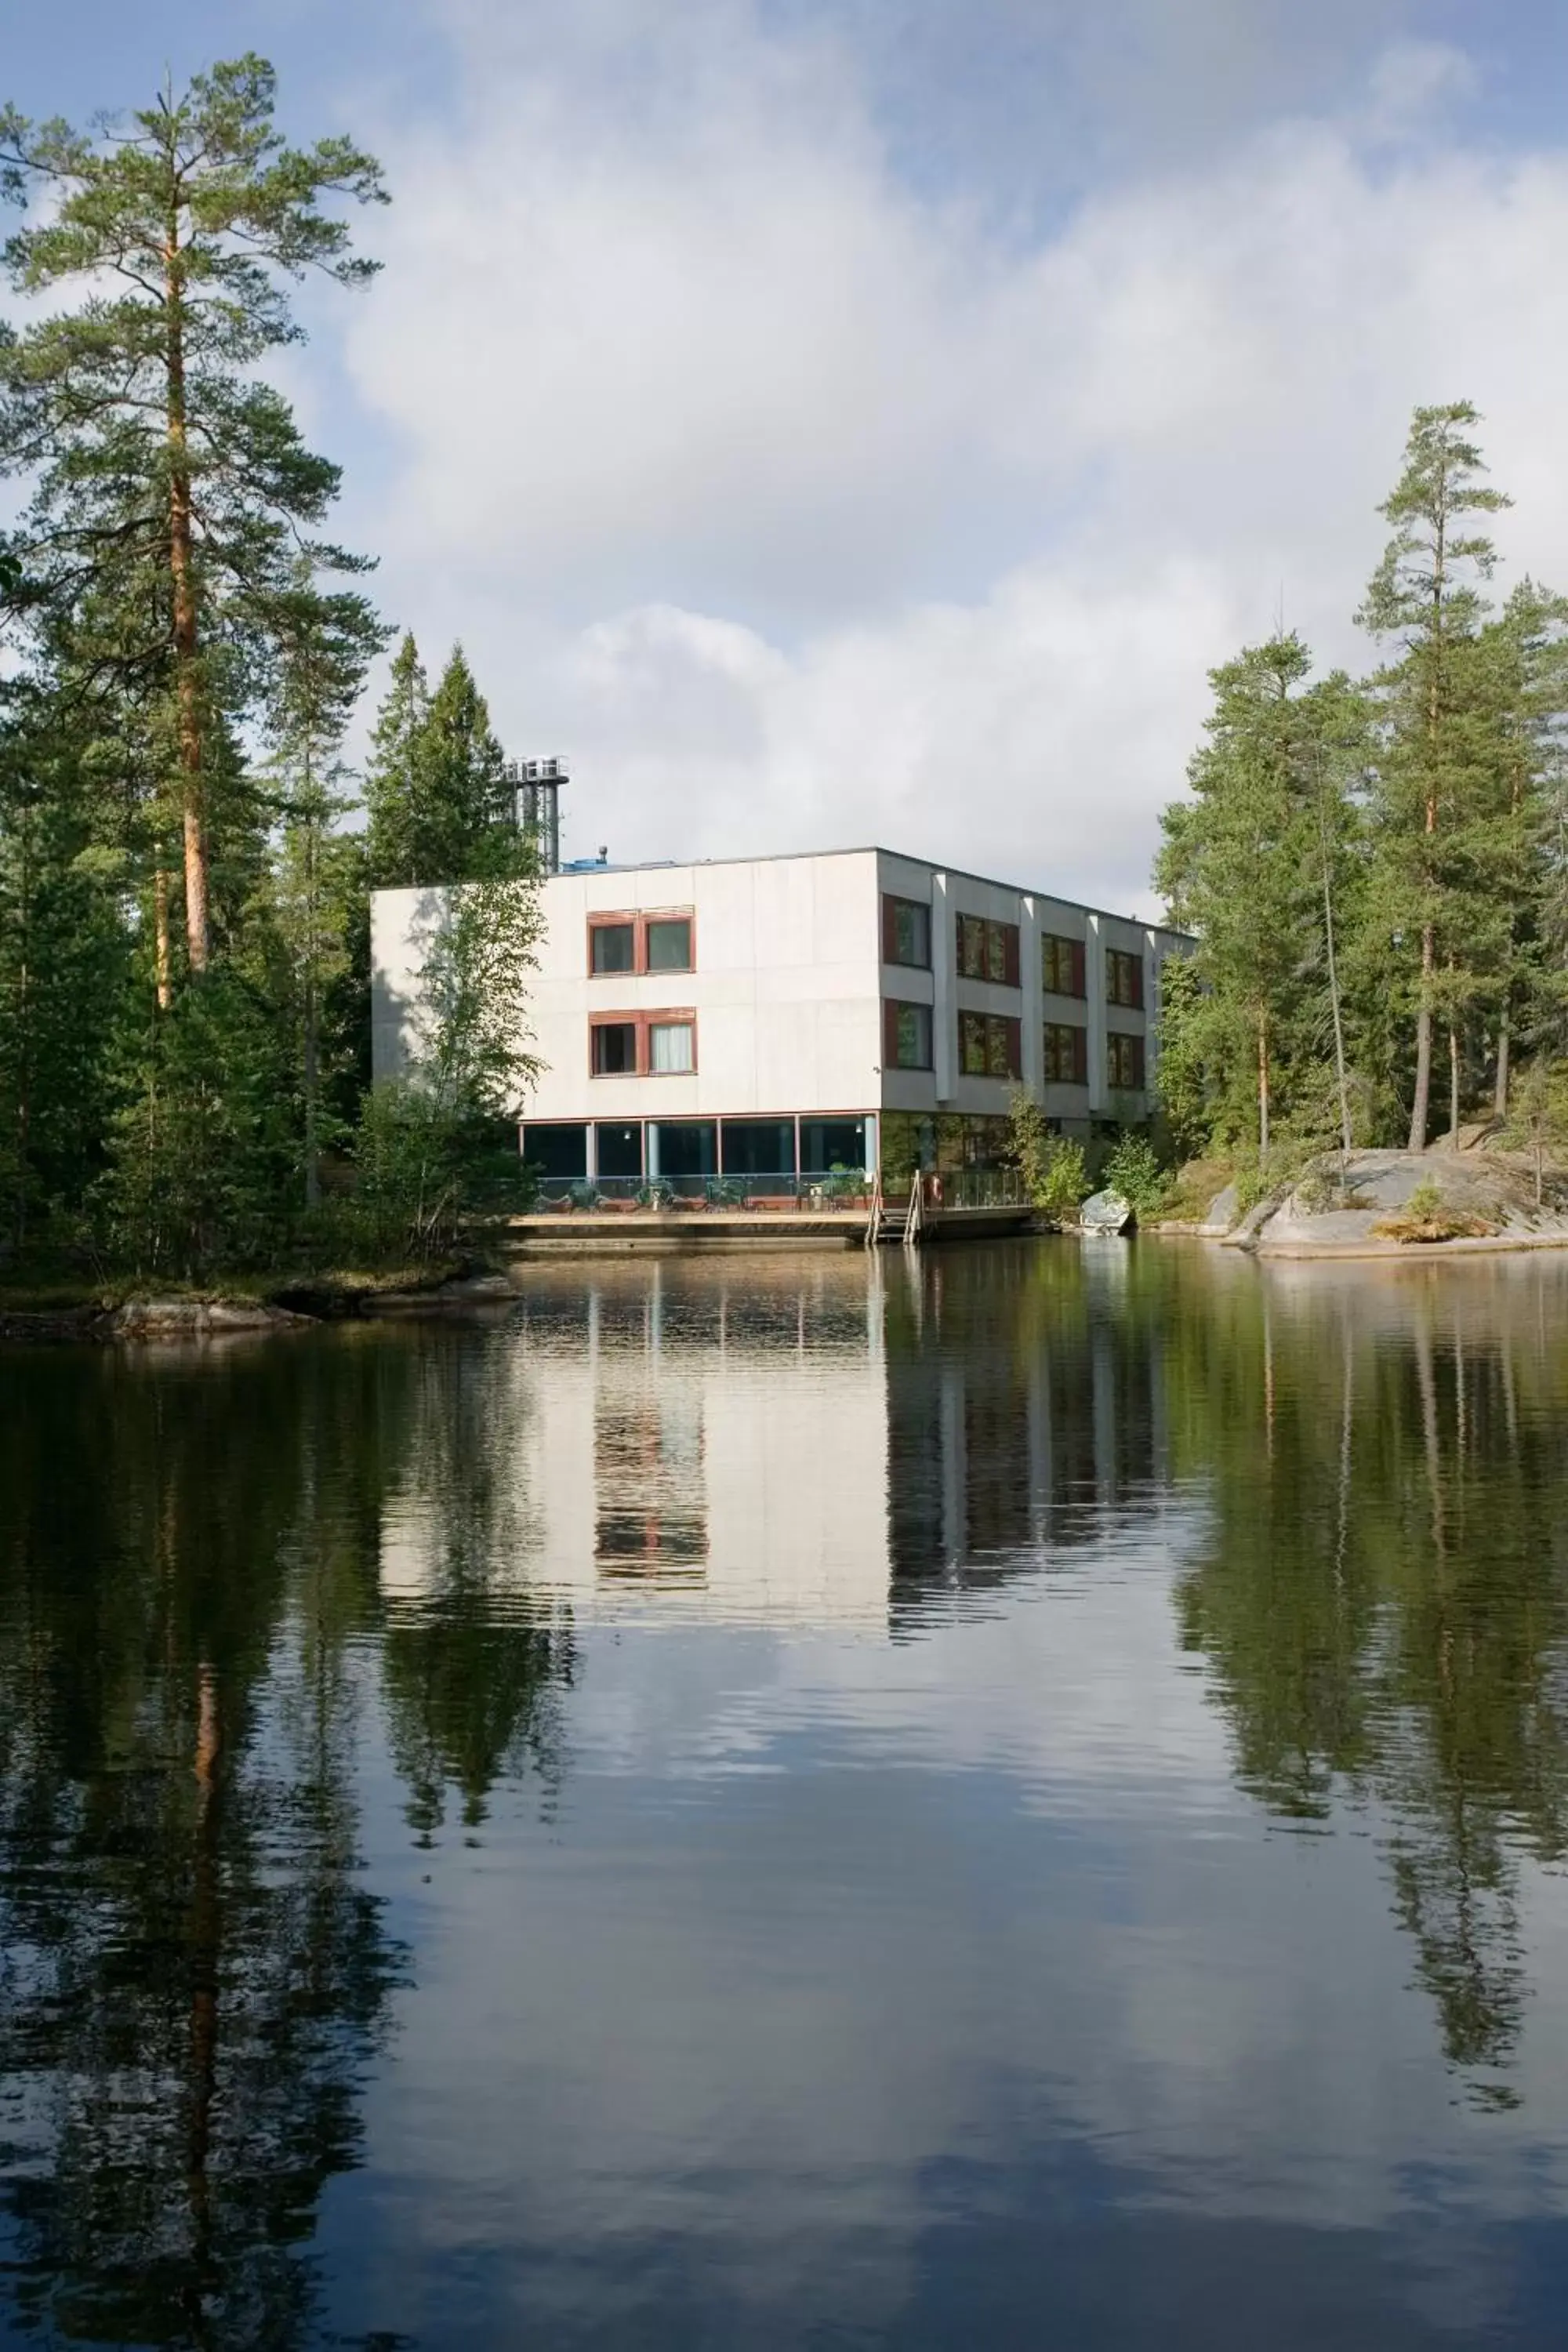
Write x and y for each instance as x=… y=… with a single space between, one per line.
x=201 y=1149
x=173 y=502
x=437 y=1150
x=1371 y=869
x=1132 y=1168
x=1539 y=1121
x=64 y=959
x=439 y=803
x=183 y=679
x=1054 y=1173
x=1254 y=863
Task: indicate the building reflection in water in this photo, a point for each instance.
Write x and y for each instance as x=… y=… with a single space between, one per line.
x=817 y=1440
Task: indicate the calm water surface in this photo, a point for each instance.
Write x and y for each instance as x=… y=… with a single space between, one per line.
x=797 y=1803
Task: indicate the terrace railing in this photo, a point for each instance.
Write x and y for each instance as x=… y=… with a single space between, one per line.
x=846 y=1190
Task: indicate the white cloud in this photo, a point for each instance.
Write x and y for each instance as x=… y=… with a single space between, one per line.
x=795 y=505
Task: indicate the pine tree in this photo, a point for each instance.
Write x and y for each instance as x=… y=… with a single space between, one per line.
x=1434 y=800
x=326 y=644
x=159 y=459
x=1243 y=865
x=436 y=785
x=64 y=959
x=392 y=779
x=1527 y=648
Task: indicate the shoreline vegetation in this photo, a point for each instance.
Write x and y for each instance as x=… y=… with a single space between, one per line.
x=1376 y=1207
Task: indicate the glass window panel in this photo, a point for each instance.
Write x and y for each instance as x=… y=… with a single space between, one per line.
x=911 y=933
x=995 y=951
x=997 y=1047
x=615 y=1049
x=557 y=1151
x=618 y=1149
x=1057 y=966
x=687 y=1147
x=829 y=1143
x=759 y=1147
x=669 y=943
x=614 y=947
x=972 y=1044
x=671 y=1047
x=913 y=1037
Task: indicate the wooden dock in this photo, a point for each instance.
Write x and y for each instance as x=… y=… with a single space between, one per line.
x=859 y=1224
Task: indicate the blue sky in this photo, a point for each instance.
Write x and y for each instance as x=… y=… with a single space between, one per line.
x=841 y=419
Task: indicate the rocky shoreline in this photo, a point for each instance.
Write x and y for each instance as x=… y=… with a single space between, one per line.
x=296 y=1307
x=1409 y=1205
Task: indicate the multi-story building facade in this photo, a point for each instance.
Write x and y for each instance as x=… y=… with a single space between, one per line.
x=783 y=1017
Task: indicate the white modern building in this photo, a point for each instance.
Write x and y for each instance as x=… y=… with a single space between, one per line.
x=777 y=1018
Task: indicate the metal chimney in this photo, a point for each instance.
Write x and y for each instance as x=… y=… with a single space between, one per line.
x=537 y=785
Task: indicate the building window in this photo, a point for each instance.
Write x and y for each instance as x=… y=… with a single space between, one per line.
x=1061 y=966
x=990 y=1045
x=906 y=933
x=617 y=1150
x=622 y=943
x=757 y=1147
x=906 y=1043
x=1123 y=978
x=613 y=1049
x=672 y=1048
x=1124 y=1063
x=669 y=943
x=828 y=1144
x=558 y=1150
x=988 y=950
x=684 y=1149
x=1067 y=1056
x=642 y=1044
x=612 y=946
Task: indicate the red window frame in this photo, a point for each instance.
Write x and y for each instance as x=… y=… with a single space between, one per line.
x=1077 y=1055
x=655 y=1016
x=1051 y=945
x=891 y=1008
x=993 y=1027
x=1132 y=1045
x=891 y=902
x=986 y=931
x=639 y=917
x=1122 y=960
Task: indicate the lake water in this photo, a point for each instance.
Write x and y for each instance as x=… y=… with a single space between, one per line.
x=797 y=1802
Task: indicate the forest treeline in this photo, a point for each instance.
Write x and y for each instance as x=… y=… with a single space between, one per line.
x=185 y=930
x=1377 y=869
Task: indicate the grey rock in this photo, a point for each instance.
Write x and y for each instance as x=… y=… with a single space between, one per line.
x=1106 y=1212
x=1223 y=1211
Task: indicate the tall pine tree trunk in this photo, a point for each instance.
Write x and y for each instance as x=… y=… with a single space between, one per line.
x=1262 y=1089
x=1452 y=1090
x=160 y=939
x=1419 y=1108
x=187 y=698
x=1504 y=1039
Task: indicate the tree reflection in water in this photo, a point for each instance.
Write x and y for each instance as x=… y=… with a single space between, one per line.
x=1381 y=1589
x=474 y=1664
x=195 y=1977
x=1383 y=1598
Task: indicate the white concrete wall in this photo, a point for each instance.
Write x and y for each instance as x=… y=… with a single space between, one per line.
x=786 y=991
